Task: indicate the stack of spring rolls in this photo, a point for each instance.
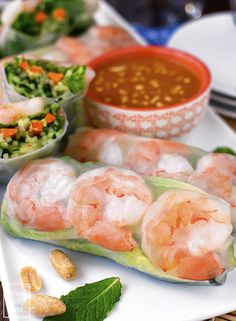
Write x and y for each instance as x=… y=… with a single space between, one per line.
x=40 y=99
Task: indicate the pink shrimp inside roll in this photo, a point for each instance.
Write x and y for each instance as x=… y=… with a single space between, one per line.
x=106 y=203
x=216 y=174
x=146 y=156
x=37 y=195
x=183 y=233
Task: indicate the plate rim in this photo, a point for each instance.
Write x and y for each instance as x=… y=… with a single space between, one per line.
x=206 y=17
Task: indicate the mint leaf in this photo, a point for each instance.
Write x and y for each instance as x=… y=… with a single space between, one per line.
x=225 y=150
x=91 y=302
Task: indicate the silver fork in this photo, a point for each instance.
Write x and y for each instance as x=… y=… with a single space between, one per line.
x=233 y=10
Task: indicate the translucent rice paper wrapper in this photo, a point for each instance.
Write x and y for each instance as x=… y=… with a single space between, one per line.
x=9 y=166
x=13 y=41
x=71 y=104
x=69 y=238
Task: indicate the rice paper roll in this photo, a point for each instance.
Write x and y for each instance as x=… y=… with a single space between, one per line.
x=25 y=78
x=162 y=227
x=138 y=153
x=81 y=50
x=13 y=42
x=213 y=172
x=28 y=130
x=28 y=24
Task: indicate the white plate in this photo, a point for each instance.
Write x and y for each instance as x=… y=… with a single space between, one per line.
x=213 y=39
x=144 y=298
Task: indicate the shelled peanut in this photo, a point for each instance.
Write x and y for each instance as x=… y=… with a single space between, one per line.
x=30 y=279
x=63 y=265
x=45 y=306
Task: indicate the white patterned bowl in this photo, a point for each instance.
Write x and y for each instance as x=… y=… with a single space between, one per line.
x=163 y=122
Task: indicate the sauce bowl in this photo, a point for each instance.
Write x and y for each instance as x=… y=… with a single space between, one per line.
x=163 y=122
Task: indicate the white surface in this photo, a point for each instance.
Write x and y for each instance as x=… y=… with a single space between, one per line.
x=144 y=298
x=210 y=133
x=213 y=39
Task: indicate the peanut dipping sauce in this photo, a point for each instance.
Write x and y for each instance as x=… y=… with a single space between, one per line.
x=144 y=82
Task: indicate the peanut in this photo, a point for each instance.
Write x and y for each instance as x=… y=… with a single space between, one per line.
x=63 y=265
x=30 y=279
x=45 y=306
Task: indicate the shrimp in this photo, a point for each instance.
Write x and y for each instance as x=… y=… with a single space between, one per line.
x=113 y=36
x=85 y=144
x=82 y=57
x=114 y=148
x=70 y=45
x=173 y=166
x=37 y=194
x=145 y=156
x=139 y=154
x=183 y=233
x=30 y=5
x=216 y=174
x=76 y=50
x=55 y=55
x=14 y=111
x=96 y=41
x=104 y=205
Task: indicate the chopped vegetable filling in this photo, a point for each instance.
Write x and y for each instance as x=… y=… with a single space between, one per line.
x=30 y=132
x=59 y=17
x=39 y=78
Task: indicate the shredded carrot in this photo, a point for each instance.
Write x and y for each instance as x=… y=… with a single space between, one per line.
x=60 y=14
x=37 y=127
x=50 y=118
x=41 y=17
x=24 y=65
x=37 y=69
x=9 y=132
x=56 y=77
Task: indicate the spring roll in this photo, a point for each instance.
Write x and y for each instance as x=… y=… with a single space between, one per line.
x=27 y=78
x=28 y=24
x=213 y=172
x=162 y=227
x=82 y=49
x=28 y=130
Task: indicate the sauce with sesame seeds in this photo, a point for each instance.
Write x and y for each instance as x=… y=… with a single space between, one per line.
x=144 y=82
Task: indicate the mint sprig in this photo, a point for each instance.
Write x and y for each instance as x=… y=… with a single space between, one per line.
x=91 y=302
x=225 y=150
